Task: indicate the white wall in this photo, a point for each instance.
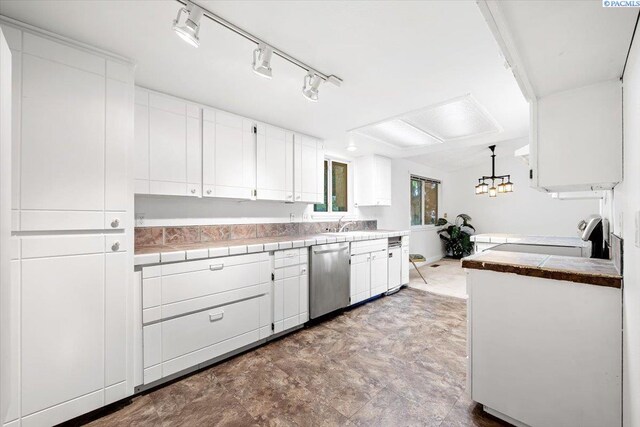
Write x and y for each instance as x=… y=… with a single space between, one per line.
x=424 y=240
x=626 y=218
x=525 y=211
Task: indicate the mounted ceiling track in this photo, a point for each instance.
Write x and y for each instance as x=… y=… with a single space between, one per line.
x=313 y=77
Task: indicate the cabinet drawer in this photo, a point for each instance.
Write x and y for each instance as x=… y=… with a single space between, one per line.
x=188 y=340
x=364 y=246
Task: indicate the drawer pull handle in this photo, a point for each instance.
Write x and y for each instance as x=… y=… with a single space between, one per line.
x=216 y=316
x=115 y=223
x=291 y=255
x=208 y=191
x=193 y=191
x=115 y=247
x=216 y=267
x=303 y=271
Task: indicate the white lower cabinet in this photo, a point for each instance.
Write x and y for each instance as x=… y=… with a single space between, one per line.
x=290 y=289
x=369 y=269
x=395 y=267
x=196 y=311
x=73 y=326
x=406 y=264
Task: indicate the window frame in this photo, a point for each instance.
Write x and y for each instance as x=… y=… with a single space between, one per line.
x=422 y=225
x=329 y=213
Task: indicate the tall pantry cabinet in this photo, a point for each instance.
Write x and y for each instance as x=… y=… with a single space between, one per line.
x=67 y=339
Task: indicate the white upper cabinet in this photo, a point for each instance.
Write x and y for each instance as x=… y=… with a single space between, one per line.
x=576 y=141
x=373 y=181
x=229 y=155
x=185 y=149
x=308 y=169
x=168 y=145
x=272 y=161
x=74 y=111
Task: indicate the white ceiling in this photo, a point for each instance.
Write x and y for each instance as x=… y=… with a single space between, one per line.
x=569 y=44
x=394 y=57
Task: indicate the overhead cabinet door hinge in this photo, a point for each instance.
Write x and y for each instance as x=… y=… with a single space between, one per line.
x=255 y=129
x=273 y=276
x=530 y=173
x=273 y=327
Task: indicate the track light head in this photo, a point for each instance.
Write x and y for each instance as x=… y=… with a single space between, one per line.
x=262 y=60
x=312 y=82
x=191 y=27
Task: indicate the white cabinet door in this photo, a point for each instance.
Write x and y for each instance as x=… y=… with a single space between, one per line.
x=63 y=137
x=583 y=128
x=406 y=265
x=379 y=272
x=289 y=167
x=272 y=164
x=395 y=268
x=229 y=155
x=383 y=180
x=63 y=329
x=291 y=302
x=360 y=277
x=118 y=132
x=175 y=155
x=308 y=170
x=117 y=283
x=303 y=283
x=141 y=141
x=278 y=305
x=372 y=181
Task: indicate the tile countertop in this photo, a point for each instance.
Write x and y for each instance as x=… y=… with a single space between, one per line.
x=531 y=240
x=155 y=254
x=589 y=271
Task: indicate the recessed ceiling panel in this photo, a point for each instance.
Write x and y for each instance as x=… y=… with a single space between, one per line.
x=398 y=133
x=455 y=119
x=458 y=118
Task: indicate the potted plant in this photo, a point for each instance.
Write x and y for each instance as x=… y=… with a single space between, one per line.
x=457 y=235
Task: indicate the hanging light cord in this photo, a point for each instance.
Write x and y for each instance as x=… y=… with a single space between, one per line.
x=215 y=18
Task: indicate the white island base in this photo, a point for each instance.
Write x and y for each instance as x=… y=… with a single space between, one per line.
x=544 y=352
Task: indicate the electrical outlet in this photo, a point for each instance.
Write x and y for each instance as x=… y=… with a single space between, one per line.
x=139 y=219
x=305 y=217
x=445 y=215
x=292 y=217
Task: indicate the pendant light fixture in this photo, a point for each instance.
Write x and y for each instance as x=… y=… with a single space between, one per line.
x=503 y=187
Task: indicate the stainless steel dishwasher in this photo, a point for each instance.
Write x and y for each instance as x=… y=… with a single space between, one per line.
x=329 y=281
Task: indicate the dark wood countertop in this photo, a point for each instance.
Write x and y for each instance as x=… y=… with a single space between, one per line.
x=591 y=271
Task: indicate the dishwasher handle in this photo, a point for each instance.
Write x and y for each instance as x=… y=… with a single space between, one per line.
x=327 y=251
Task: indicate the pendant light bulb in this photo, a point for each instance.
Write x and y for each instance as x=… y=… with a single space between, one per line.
x=311 y=84
x=508 y=186
x=501 y=187
x=262 y=60
x=191 y=27
x=485 y=188
x=493 y=192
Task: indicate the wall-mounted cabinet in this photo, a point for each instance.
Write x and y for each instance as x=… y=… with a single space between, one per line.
x=308 y=169
x=576 y=141
x=168 y=145
x=373 y=181
x=228 y=155
x=186 y=149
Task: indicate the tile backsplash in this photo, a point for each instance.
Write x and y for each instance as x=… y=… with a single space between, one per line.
x=149 y=236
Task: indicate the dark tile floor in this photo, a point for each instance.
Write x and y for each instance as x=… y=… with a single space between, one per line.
x=396 y=361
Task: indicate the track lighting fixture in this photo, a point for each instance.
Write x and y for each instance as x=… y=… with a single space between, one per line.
x=311 y=84
x=191 y=27
x=262 y=60
x=188 y=27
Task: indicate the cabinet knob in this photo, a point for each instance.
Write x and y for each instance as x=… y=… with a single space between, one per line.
x=193 y=191
x=208 y=191
x=290 y=196
x=115 y=247
x=115 y=223
x=303 y=270
x=297 y=197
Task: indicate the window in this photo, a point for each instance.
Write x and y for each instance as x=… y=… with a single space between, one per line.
x=337 y=187
x=424 y=201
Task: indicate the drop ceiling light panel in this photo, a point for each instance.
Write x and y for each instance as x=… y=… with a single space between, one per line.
x=398 y=133
x=451 y=120
x=455 y=119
